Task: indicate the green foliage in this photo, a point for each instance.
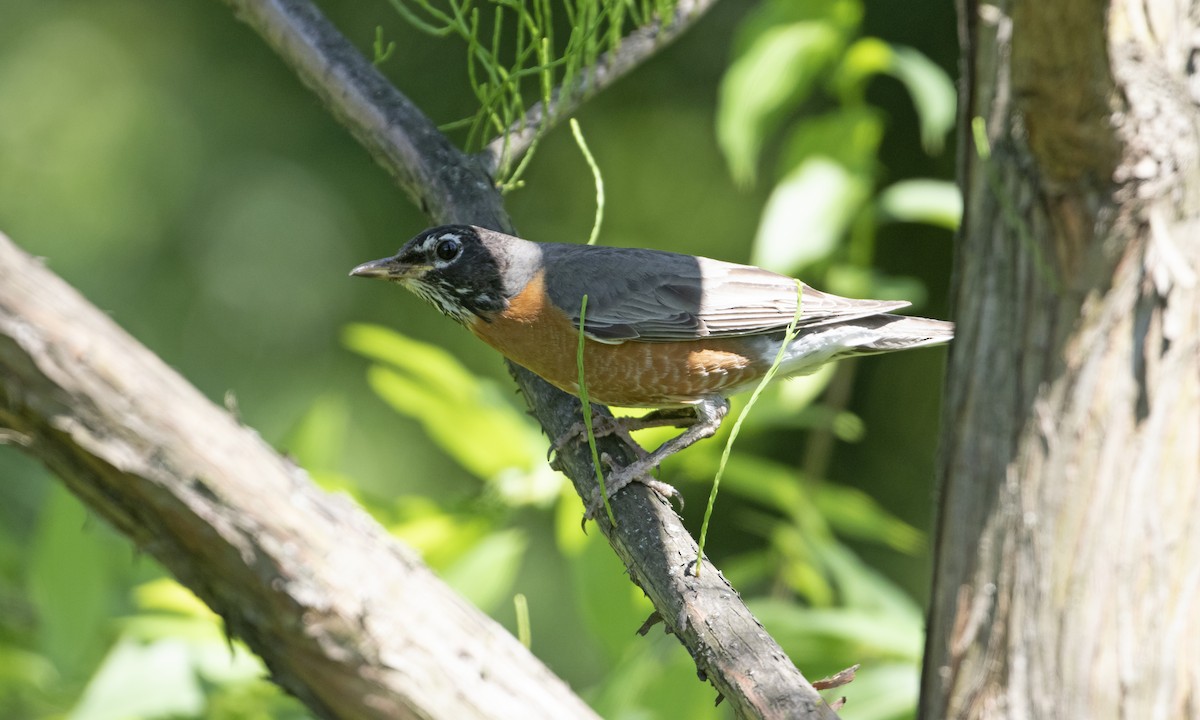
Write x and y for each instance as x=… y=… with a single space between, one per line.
x=514 y=59
x=198 y=672
x=782 y=50
x=793 y=56
x=468 y=417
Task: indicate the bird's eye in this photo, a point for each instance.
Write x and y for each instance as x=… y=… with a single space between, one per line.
x=447 y=249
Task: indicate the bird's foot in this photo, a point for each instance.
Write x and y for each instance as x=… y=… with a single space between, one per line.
x=602 y=426
x=701 y=421
x=618 y=478
x=606 y=425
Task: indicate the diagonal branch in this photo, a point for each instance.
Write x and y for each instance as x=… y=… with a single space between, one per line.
x=636 y=48
x=437 y=177
x=348 y=620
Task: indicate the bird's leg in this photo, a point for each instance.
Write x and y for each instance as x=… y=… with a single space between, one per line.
x=603 y=425
x=707 y=418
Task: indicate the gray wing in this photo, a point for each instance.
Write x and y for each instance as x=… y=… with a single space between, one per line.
x=659 y=296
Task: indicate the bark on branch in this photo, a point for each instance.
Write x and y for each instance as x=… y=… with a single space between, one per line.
x=347 y=619
x=1067 y=569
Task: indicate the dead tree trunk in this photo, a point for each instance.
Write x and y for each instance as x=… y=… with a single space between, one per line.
x=1067 y=574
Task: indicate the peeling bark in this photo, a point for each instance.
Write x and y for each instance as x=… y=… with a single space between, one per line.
x=1067 y=575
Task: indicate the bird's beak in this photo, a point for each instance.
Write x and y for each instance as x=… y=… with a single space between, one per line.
x=386 y=268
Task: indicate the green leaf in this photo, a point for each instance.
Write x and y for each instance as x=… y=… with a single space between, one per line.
x=763 y=85
x=932 y=92
x=930 y=88
x=882 y=691
x=843 y=635
x=70 y=582
x=653 y=680
x=856 y=514
x=850 y=136
x=442 y=538
x=486 y=573
x=142 y=680
x=167 y=595
x=862 y=587
x=611 y=606
x=936 y=202
x=807 y=214
x=318 y=440
x=468 y=417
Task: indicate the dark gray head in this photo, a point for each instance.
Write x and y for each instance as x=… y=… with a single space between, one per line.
x=461 y=270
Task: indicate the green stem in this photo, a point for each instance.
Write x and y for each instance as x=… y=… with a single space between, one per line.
x=587 y=413
x=788 y=337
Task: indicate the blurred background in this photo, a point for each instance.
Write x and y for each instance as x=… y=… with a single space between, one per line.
x=167 y=165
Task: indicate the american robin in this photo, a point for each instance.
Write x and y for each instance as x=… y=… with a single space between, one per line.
x=674 y=332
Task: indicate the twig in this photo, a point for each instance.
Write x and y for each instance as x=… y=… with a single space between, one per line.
x=637 y=47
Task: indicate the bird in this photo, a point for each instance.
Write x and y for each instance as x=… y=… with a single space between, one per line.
x=673 y=332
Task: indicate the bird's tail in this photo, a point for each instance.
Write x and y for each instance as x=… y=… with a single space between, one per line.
x=862 y=336
x=900 y=332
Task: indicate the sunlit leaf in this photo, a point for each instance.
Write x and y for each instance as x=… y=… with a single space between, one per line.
x=807 y=214
x=935 y=202
x=468 y=417
x=567 y=513
x=70 y=581
x=763 y=85
x=318 y=440
x=167 y=595
x=429 y=363
x=484 y=440
x=882 y=691
x=930 y=88
x=22 y=667
x=143 y=680
x=854 y=635
x=653 y=680
x=611 y=606
x=849 y=136
x=862 y=587
x=442 y=538
x=855 y=514
x=485 y=574
x=932 y=92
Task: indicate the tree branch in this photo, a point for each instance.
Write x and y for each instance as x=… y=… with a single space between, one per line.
x=347 y=619
x=636 y=48
x=439 y=179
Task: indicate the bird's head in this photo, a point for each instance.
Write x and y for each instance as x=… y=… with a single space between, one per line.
x=462 y=270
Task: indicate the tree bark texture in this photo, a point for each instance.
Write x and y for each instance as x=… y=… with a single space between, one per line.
x=1067 y=570
x=346 y=618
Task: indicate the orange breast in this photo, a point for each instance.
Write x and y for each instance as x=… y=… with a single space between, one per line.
x=535 y=334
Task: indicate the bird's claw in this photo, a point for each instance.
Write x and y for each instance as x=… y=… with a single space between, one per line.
x=618 y=477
